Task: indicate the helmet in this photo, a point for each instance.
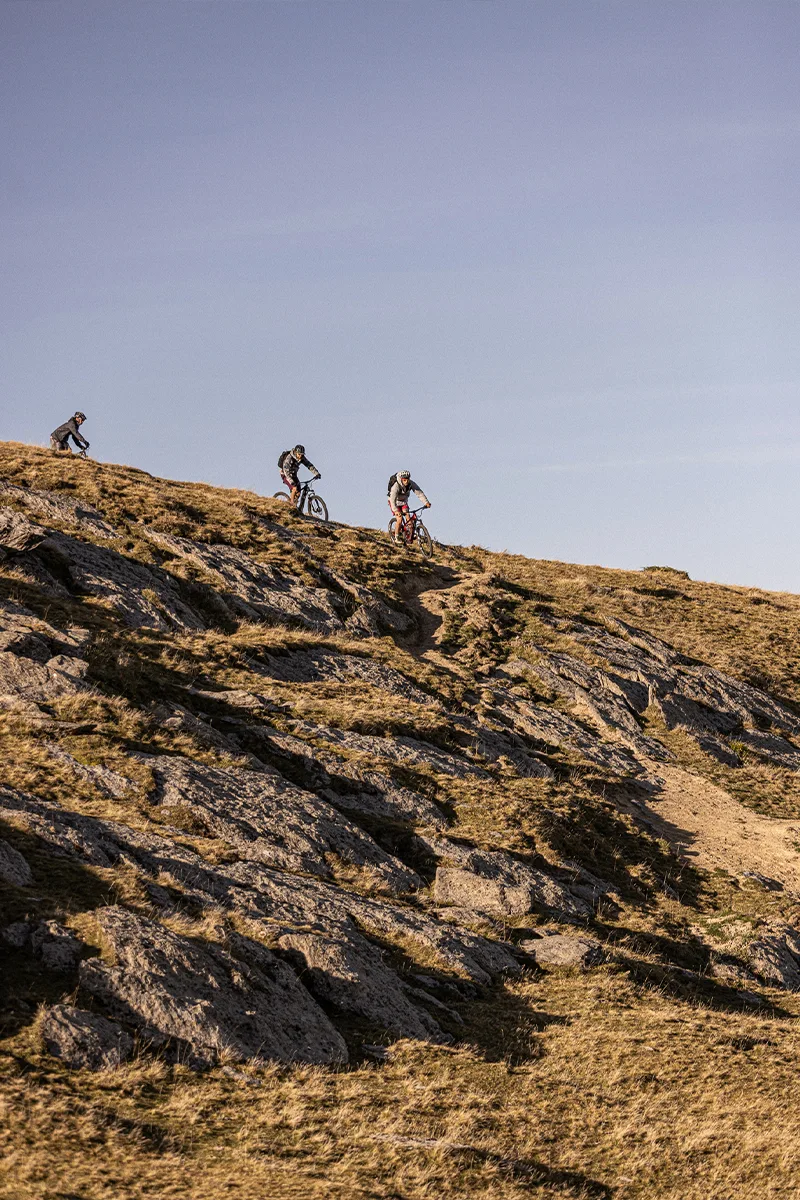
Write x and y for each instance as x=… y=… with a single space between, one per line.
x=79 y=416
x=299 y=450
x=403 y=474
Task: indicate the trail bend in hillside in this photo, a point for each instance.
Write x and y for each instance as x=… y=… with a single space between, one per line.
x=712 y=830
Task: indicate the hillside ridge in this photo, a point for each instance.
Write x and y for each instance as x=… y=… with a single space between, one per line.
x=279 y=794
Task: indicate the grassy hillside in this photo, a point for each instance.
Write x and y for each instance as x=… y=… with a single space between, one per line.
x=426 y=741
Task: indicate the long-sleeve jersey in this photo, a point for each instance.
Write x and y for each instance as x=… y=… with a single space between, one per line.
x=399 y=494
x=290 y=465
x=70 y=427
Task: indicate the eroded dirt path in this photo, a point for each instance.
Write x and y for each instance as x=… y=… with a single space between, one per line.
x=711 y=829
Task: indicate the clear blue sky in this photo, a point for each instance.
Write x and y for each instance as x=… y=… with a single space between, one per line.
x=545 y=254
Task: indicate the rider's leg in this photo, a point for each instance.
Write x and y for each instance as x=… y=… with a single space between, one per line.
x=402 y=509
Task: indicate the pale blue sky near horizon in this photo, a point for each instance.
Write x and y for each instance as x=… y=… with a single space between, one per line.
x=542 y=253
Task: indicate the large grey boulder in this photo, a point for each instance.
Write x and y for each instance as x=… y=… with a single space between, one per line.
x=564 y=950
x=344 y=970
x=246 y=1004
x=495 y=883
x=499 y=896
x=14 y=868
x=17 y=934
x=83 y=1039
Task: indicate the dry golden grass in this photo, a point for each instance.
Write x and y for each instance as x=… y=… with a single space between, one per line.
x=582 y=1087
x=643 y=1079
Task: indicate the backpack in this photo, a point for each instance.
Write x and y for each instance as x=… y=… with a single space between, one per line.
x=392 y=482
x=281 y=457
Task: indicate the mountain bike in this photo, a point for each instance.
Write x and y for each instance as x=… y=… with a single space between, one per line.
x=308 y=499
x=412 y=530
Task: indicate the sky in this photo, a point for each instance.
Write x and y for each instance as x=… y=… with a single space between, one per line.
x=543 y=253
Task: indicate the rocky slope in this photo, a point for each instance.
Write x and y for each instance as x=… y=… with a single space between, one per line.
x=278 y=792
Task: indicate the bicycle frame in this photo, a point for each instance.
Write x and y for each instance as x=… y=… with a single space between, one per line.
x=408 y=523
x=306 y=490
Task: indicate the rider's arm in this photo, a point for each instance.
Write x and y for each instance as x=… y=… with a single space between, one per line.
x=417 y=490
x=308 y=464
x=393 y=495
x=76 y=437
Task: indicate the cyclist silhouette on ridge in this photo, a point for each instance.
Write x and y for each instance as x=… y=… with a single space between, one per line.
x=289 y=464
x=59 y=438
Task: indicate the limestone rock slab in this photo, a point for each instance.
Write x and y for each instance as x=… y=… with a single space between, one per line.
x=83 y=1039
x=564 y=950
x=249 y=1006
x=272 y=821
x=14 y=868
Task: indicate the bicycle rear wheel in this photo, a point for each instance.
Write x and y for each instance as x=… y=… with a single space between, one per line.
x=425 y=540
x=282 y=496
x=317 y=507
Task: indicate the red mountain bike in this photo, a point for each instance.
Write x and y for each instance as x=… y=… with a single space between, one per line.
x=412 y=530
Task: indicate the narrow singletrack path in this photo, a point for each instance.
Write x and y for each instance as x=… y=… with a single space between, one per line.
x=712 y=830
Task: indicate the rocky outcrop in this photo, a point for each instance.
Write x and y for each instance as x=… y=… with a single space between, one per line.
x=337 y=849
x=404 y=750
x=240 y=1002
x=269 y=820
x=30 y=680
x=348 y=973
x=644 y=672
x=14 y=868
x=84 y=1040
x=256 y=590
x=774 y=955
x=312 y=666
x=54 y=506
x=57 y=947
x=564 y=950
x=18 y=534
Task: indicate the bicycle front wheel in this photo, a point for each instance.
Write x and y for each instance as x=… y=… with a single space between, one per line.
x=425 y=540
x=317 y=507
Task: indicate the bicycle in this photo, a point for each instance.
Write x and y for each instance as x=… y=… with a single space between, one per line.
x=309 y=499
x=411 y=530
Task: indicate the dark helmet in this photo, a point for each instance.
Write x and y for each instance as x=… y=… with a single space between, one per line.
x=299 y=451
x=79 y=416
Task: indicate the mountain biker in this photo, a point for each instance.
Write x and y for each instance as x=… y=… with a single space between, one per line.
x=59 y=438
x=289 y=464
x=401 y=486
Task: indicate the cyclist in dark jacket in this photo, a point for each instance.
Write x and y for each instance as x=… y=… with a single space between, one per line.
x=59 y=438
x=289 y=464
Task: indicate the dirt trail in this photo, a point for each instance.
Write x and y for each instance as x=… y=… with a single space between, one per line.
x=711 y=829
